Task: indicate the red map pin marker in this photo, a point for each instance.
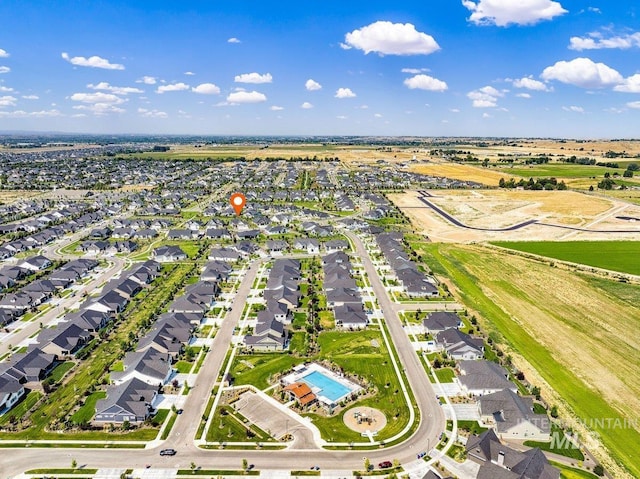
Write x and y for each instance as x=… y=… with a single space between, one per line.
x=237 y=201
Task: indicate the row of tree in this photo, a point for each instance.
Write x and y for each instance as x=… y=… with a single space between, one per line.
x=538 y=184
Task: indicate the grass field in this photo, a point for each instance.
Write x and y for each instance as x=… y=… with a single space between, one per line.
x=623 y=256
x=572 y=473
x=486 y=176
x=578 y=335
x=88 y=409
x=560 y=170
x=60 y=370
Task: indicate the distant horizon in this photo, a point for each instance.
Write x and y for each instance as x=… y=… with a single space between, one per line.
x=7 y=133
x=462 y=68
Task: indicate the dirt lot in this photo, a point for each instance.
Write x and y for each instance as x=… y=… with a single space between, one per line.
x=501 y=209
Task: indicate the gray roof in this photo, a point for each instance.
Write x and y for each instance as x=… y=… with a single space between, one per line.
x=483 y=374
x=133 y=397
x=509 y=410
x=441 y=320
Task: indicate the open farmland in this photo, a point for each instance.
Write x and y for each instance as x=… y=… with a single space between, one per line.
x=496 y=209
x=578 y=333
x=623 y=256
x=485 y=176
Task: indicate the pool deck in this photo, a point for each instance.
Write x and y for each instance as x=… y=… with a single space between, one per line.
x=301 y=372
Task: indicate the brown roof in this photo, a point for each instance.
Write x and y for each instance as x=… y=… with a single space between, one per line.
x=302 y=392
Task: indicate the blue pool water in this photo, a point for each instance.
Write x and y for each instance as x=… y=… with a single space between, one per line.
x=329 y=388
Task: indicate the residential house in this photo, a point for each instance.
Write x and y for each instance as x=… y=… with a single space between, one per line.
x=131 y=401
x=460 y=346
x=498 y=461
x=167 y=254
x=439 y=321
x=11 y=391
x=478 y=378
x=151 y=366
x=512 y=417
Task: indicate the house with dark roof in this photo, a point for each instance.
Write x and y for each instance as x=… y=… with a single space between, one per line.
x=131 y=401
x=350 y=316
x=512 y=417
x=268 y=335
x=460 y=346
x=35 y=364
x=498 y=461
x=151 y=366
x=64 y=340
x=11 y=391
x=168 y=254
x=478 y=378
x=439 y=321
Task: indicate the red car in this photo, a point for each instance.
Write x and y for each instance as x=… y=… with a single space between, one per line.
x=385 y=465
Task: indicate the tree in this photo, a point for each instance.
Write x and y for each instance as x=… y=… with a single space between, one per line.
x=367 y=464
x=627 y=174
x=74 y=463
x=245 y=464
x=598 y=470
x=554 y=411
x=193 y=467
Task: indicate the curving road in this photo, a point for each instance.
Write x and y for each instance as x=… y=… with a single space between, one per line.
x=432 y=421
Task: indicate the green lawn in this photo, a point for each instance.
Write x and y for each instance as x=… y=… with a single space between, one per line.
x=86 y=412
x=585 y=402
x=623 y=256
x=60 y=370
x=22 y=407
x=445 y=375
x=566 y=449
x=228 y=426
x=567 y=472
x=264 y=366
x=183 y=366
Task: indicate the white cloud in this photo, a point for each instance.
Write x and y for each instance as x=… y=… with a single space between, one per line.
x=147 y=80
x=414 y=71
x=233 y=40
x=576 y=109
x=306 y=105
x=189 y=73
x=505 y=12
x=93 y=62
x=342 y=117
x=630 y=85
x=152 y=113
x=377 y=115
x=7 y=100
x=4 y=69
x=172 y=87
x=276 y=108
x=246 y=97
x=206 y=89
x=97 y=97
x=454 y=110
x=31 y=97
x=634 y=105
x=5 y=89
x=312 y=85
x=530 y=84
x=583 y=72
x=344 y=93
x=386 y=38
x=100 y=109
x=3 y=53
x=118 y=90
x=485 y=97
x=253 y=78
x=98 y=103
x=594 y=41
x=25 y=114
x=523 y=95
x=425 y=82
x=486 y=115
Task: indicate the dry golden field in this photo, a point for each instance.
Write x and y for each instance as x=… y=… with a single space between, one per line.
x=495 y=209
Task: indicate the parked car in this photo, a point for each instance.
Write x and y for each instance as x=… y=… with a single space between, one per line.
x=385 y=464
x=168 y=452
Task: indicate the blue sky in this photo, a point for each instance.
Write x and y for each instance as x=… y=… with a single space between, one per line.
x=437 y=67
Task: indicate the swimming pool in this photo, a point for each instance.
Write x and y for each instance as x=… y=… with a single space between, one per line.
x=329 y=388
